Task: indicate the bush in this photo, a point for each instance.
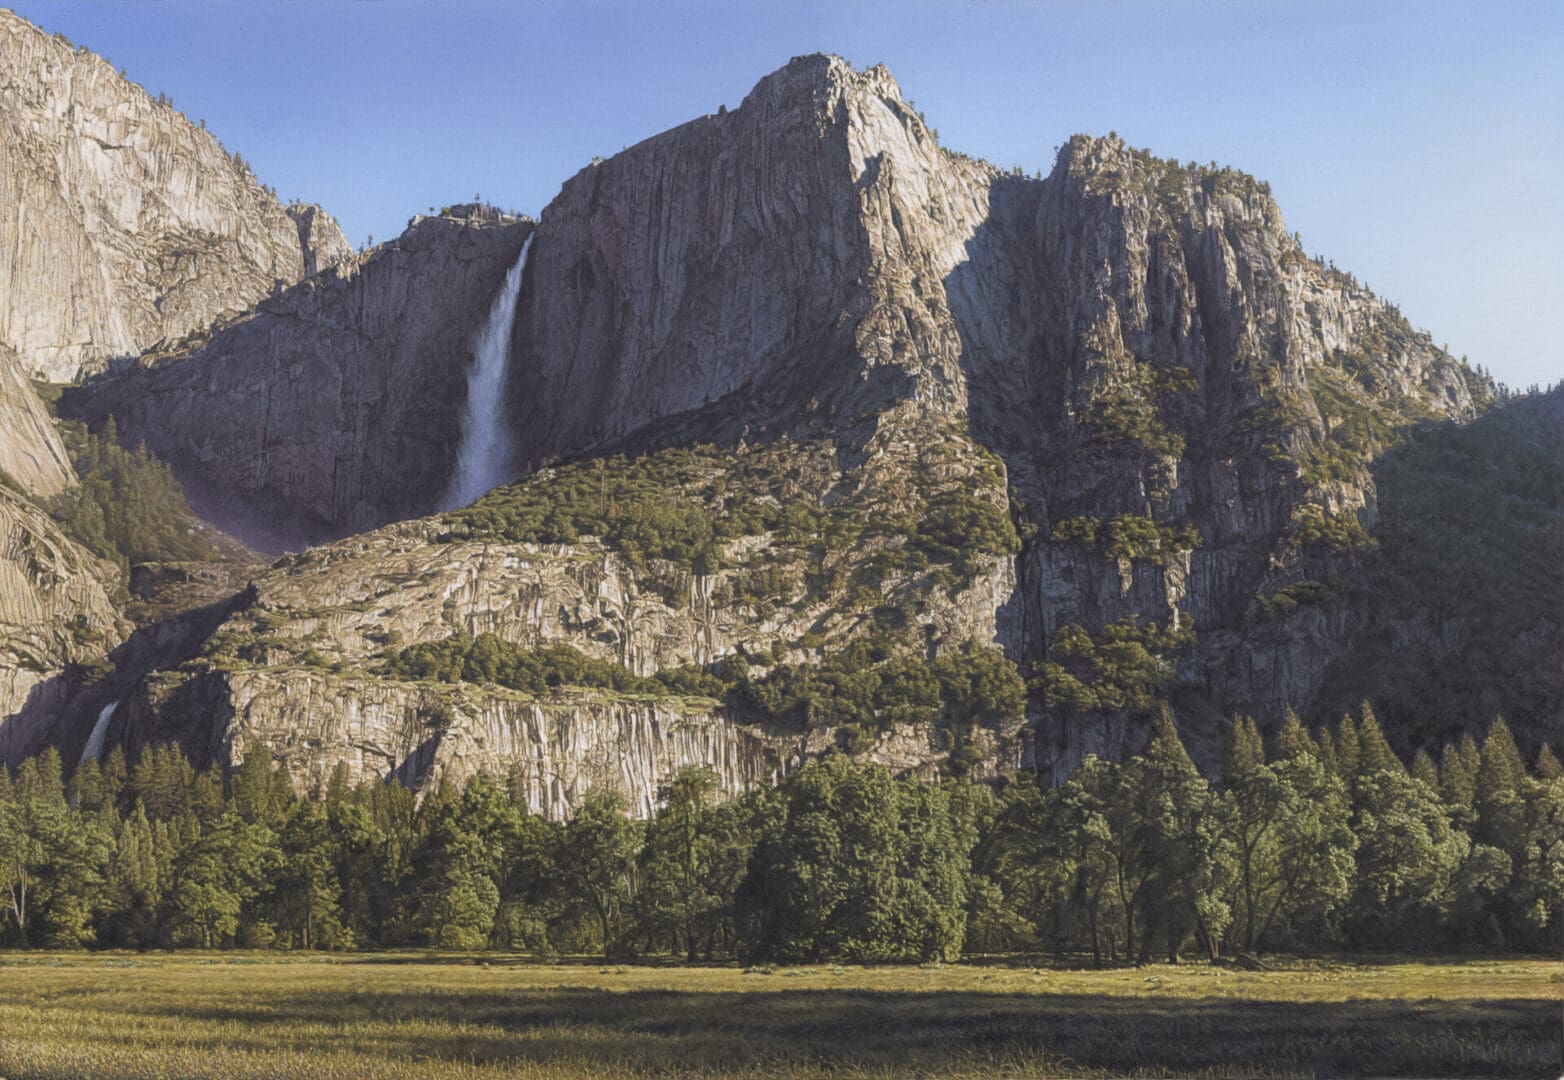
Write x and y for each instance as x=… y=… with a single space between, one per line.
x=1315 y=527
x=1126 y=667
x=490 y=659
x=1129 y=536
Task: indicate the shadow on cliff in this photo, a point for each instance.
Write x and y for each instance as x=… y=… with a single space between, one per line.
x=646 y=1031
x=1012 y=375
x=61 y=711
x=1455 y=616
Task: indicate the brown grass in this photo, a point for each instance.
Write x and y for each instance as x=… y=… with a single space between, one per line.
x=418 y=1015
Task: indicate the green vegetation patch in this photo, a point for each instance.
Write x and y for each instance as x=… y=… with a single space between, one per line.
x=1289 y=598
x=861 y=689
x=1315 y=528
x=1128 y=666
x=128 y=508
x=685 y=506
x=536 y=670
x=1470 y=546
x=875 y=682
x=1125 y=412
x=1129 y=536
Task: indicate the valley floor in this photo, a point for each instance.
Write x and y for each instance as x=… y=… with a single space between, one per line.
x=421 y=1015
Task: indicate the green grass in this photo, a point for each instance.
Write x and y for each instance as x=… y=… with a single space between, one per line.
x=255 y=1015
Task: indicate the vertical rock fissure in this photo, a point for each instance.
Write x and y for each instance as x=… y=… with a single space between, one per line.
x=483 y=458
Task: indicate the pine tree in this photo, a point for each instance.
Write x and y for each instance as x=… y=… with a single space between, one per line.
x=1165 y=864
x=115 y=778
x=1499 y=791
x=206 y=801
x=1327 y=751
x=1347 y=748
x=1500 y=769
x=132 y=891
x=309 y=897
x=1293 y=739
x=1374 y=752
x=1457 y=775
x=1548 y=767
x=1245 y=750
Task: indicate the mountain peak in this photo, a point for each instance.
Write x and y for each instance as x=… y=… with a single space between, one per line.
x=139 y=227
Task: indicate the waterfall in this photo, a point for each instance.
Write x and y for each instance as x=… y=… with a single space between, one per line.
x=483 y=460
x=94 y=748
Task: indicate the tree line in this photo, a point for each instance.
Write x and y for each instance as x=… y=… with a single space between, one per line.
x=1324 y=840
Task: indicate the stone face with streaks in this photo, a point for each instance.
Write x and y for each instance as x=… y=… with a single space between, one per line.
x=31 y=453
x=1141 y=343
x=123 y=224
x=333 y=407
x=55 y=611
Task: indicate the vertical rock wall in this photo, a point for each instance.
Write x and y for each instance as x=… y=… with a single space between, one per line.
x=123 y=224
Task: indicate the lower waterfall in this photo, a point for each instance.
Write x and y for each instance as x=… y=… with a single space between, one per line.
x=483 y=459
x=94 y=748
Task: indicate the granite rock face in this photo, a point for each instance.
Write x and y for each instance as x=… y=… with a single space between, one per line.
x=332 y=407
x=30 y=450
x=55 y=611
x=122 y=223
x=1133 y=337
x=559 y=747
x=298 y=669
x=1185 y=409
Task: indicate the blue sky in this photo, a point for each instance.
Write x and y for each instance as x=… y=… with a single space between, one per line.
x=1420 y=146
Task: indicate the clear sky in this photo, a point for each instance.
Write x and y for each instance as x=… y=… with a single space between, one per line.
x=1419 y=145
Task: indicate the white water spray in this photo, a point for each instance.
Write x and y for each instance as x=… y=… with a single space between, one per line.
x=483 y=461
x=94 y=748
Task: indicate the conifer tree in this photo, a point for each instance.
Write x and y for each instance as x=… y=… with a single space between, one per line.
x=1293 y=739
x=1548 y=767
x=1347 y=748
x=1374 y=751
x=1326 y=747
x=1245 y=750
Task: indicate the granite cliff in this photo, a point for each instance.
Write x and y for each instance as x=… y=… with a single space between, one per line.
x=122 y=223
x=31 y=454
x=56 y=612
x=332 y=407
x=787 y=380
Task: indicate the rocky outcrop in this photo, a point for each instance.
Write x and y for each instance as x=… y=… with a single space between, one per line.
x=556 y=748
x=31 y=454
x=333 y=407
x=298 y=671
x=1187 y=410
x=55 y=611
x=320 y=238
x=122 y=223
x=1145 y=338
x=1134 y=337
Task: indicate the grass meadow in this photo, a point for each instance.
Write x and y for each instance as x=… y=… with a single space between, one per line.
x=422 y=1015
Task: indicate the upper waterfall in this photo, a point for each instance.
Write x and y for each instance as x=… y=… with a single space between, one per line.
x=483 y=460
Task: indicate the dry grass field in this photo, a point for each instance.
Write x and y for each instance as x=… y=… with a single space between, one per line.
x=237 y=1015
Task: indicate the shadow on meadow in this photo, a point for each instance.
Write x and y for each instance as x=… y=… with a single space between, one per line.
x=904 y=1032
